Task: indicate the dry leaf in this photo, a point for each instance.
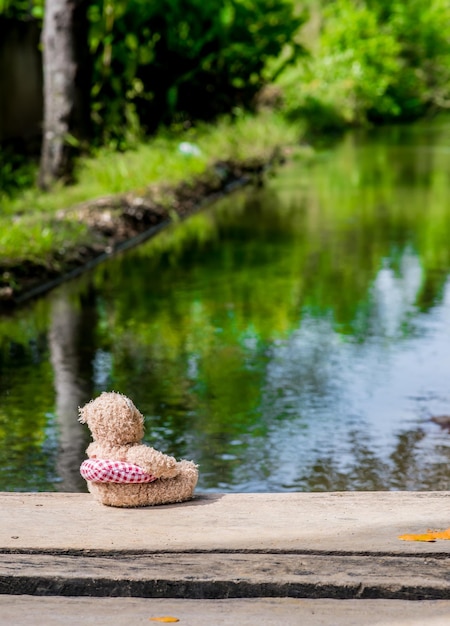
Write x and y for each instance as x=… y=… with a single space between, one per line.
x=431 y=535
x=167 y=619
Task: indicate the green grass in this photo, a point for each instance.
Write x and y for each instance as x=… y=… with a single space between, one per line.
x=29 y=229
x=36 y=238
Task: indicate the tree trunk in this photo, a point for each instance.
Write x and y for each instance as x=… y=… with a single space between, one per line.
x=72 y=355
x=66 y=86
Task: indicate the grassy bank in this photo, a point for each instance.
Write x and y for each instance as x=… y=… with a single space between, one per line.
x=118 y=195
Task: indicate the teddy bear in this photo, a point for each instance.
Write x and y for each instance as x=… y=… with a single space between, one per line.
x=123 y=472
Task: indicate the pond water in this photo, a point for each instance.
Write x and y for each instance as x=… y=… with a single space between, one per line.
x=295 y=337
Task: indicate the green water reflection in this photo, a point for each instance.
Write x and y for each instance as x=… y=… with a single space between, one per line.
x=290 y=338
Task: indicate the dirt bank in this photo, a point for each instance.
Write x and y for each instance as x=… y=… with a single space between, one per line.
x=121 y=221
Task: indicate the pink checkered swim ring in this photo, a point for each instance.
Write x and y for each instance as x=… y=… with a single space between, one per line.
x=104 y=471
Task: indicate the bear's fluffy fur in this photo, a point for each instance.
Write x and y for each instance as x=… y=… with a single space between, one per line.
x=117 y=429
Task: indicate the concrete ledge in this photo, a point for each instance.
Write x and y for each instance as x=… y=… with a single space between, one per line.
x=298 y=545
x=339 y=523
x=213 y=576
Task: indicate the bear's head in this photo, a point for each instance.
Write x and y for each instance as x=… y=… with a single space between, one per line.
x=113 y=418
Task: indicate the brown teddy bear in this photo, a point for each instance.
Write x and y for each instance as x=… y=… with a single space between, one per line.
x=123 y=472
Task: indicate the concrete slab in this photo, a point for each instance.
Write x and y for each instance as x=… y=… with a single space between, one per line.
x=339 y=523
x=297 y=545
x=225 y=575
x=26 y=610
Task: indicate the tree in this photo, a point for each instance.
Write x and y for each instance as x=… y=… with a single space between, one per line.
x=66 y=86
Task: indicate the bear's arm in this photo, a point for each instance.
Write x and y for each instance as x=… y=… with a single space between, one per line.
x=153 y=462
x=93 y=451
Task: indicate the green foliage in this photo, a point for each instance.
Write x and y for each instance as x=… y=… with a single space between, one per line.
x=177 y=60
x=422 y=29
x=16 y=173
x=350 y=73
x=22 y=9
x=375 y=61
x=363 y=59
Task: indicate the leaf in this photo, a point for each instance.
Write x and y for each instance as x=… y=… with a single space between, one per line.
x=431 y=535
x=167 y=619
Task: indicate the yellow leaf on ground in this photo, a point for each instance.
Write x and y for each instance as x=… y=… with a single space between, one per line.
x=167 y=619
x=431 y=535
